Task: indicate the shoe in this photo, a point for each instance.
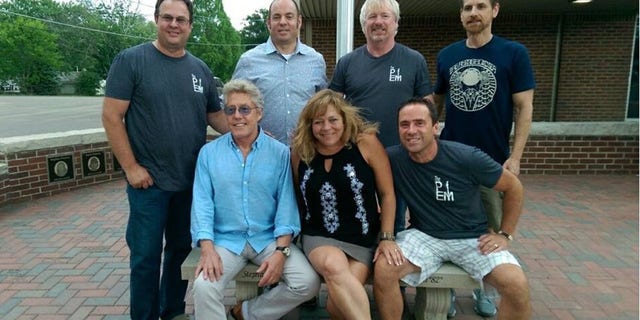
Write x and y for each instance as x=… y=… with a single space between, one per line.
x=452 y=307
x=483 y=306
x=236 y=311
x=181 y=317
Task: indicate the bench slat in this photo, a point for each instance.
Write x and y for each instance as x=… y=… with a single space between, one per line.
x=432 y=295
x=448 y=276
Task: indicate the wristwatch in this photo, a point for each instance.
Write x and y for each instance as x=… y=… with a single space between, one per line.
x=506 y=235
x=387 y=236
x=286 y=251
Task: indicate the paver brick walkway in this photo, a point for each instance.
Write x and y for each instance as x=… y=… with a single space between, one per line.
x=64 y=257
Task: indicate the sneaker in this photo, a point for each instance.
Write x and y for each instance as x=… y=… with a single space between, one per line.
x=483 y=306
x=452 y=307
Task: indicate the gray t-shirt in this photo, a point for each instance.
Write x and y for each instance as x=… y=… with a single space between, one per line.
x=379 y=85
x=443 y=195
x=167 y=116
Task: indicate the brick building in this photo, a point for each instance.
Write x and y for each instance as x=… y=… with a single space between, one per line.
x=582 y=56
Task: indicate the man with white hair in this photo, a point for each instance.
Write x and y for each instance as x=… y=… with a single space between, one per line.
x=244 y=210
x=378 y=76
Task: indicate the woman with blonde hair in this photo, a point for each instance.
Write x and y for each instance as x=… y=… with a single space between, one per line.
x=345 y=192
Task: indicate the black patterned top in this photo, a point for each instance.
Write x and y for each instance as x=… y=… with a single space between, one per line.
x=341 y=203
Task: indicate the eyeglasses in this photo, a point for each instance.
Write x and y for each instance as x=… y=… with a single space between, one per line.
x=168 y=19
x=244 y=110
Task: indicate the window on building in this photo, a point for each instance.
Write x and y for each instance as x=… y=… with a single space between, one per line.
x=632 y=99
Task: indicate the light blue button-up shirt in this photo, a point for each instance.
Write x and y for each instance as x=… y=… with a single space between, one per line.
x=237 y=201
x=286 y=84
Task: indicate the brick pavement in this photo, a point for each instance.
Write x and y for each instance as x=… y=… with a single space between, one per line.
x=64 y=257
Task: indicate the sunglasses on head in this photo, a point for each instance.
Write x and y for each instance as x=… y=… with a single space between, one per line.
x=244 y=110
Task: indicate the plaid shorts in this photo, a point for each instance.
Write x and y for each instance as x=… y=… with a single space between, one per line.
x=428 y=253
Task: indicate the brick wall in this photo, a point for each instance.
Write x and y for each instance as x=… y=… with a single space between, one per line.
x=594 y=62
x=4 y=179
x=23 y=163
x=594 y=79
x=571 y=155
x=28 y=178
x=324 y=41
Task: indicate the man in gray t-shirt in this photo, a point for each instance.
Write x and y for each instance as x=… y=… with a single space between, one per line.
x=381 y=74
x=158 y=102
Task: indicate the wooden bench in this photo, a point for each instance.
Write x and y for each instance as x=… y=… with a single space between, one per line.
x=433 y=296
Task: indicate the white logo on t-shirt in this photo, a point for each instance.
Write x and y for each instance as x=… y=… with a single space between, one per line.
x=394 y=74
x=472 y=84
x=197 y=84
x=443 y=195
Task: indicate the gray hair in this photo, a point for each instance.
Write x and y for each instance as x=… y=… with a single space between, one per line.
x=246 y=87
x=374 y=4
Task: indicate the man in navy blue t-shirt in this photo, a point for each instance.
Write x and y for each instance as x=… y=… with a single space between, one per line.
x=439 y=180
x=159 y=99
x=483 y=81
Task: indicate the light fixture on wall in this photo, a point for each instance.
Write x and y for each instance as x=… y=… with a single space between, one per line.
x=579 y=1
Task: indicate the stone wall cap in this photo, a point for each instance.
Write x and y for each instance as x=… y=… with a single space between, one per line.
x=595 y=128
x=89 y=136
x=600 y=128
x=52 y=140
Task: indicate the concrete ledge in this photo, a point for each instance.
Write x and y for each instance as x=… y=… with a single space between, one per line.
x=60 y=139
x=88 y=136
x=627 y=128
x=609 y=128
x=52 y=140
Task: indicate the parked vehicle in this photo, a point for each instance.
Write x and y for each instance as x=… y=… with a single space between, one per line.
x=10 y=86
x=219 y=85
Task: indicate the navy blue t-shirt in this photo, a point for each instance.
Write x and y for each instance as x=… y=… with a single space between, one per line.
x=378 y=85
x=167 y=117
x=443 y=195
x=479 y=84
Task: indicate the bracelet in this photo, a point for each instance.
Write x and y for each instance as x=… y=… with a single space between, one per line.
x=506 y=235
x=387 y=236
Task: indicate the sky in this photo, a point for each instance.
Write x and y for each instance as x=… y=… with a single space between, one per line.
x=237 y=10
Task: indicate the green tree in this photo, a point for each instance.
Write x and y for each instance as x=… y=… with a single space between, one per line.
x=213 y=39
x=255 y=29
x=60 y=18
x=30 y=55
x=89 y=33
x=120 y=29
x=87 y=83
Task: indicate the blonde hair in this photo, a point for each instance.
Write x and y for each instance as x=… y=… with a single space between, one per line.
x=304 y=143
x=369 y=5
